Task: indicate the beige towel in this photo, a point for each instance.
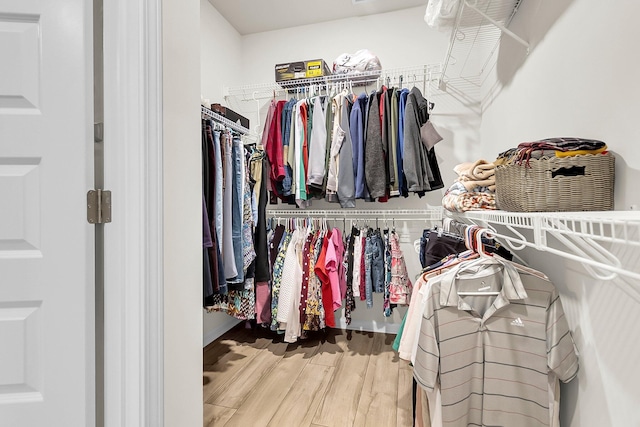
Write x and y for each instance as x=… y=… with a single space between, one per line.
x=478 y=174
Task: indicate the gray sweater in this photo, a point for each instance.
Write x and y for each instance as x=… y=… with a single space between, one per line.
x=374 y=165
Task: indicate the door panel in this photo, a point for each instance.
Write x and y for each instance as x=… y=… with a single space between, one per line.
x=46 y=245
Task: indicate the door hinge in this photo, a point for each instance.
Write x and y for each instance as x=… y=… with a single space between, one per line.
x=98 y=206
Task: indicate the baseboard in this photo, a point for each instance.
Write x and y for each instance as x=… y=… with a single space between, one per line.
x=356 y=325
x=224 y=326
x=370 y=326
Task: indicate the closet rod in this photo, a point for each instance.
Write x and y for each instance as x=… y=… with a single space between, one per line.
x=409 y=75
x=434 y=214
x=223 y=120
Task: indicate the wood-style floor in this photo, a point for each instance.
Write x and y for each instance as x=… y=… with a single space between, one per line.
x=344 y=378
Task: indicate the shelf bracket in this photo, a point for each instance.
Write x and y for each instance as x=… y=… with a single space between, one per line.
x=472 y=4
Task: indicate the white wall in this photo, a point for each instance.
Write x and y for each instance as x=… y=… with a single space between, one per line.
x=182 y=203
x=581 y=79
x=220 y=54
x=398 y=38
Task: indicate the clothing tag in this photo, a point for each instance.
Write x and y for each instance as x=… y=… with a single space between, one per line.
x=483 y=288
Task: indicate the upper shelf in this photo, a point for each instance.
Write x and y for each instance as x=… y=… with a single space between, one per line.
x=475 y=36
x=426 y=75
x=223 y=120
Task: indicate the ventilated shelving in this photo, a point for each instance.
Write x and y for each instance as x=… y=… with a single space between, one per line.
x=475 y=37
x=586 y=237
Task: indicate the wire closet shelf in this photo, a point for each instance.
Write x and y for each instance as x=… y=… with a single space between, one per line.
x=426 y=74
x=433 y=214
x=224 y=121
x=475 y=37
x=584 y=237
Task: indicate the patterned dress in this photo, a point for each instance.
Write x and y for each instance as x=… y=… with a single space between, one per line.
x=277 y=279
x=314 y=310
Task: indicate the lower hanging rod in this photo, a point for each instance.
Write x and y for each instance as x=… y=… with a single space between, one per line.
x=417 y=214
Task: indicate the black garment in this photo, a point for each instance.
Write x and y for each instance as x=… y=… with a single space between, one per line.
x=260 y=237
x=438 y=246
x=421 y=165
x=275 y=243
x=350 y=301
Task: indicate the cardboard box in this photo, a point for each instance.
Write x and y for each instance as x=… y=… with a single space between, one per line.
x=301 y=70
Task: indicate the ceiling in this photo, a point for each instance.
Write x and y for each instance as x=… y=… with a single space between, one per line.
x=255 y=16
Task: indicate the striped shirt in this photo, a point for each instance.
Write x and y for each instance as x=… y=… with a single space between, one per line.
x=492 y=356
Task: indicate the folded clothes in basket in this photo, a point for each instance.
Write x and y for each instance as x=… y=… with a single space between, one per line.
x=550 y=147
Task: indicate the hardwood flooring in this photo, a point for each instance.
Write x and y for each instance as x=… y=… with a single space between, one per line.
x=341 y=378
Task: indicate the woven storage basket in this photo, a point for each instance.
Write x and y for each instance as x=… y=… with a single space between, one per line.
x=546 y=184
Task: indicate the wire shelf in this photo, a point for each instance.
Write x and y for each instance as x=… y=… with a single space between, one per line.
x=224 y=121
x=475 y=37
x=609 y=226
x=581 y=235
x=433 y=214
x=427 y=74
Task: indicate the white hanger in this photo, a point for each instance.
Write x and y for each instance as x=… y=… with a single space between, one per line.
x=483 y=260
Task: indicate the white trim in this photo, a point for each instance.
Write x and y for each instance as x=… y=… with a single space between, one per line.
x=379 y=327
x=134 y=368
x=219 y=330
x=155 y=285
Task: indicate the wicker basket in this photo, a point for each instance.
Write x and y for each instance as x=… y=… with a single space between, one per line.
x=577 y=183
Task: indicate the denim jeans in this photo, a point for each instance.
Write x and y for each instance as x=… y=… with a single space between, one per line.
x=237 y=153
x=377 y=262
x=230 y=270
x=368 y=256
x=218 y=192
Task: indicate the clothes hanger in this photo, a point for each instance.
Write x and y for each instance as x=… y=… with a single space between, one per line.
x=484 y=259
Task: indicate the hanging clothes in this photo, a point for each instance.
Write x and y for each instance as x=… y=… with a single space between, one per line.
x=521 y=310
x=420 y=164
x=530 y=317
x=317 y=147
x=346 y=147
x=346 y=183
x=374 y=152
x=357 y=129
x=314 y=311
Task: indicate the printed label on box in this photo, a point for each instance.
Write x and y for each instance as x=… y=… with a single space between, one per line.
x=314 y=69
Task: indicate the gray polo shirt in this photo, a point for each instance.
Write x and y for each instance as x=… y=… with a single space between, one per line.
x=492 y=355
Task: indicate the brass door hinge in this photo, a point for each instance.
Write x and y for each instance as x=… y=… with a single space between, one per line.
x=98 y=206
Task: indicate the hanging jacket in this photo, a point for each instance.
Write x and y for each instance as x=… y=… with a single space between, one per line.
x=356 y=127
x=393 y=143
x=374 y=155
x=402 y=182
x=318 y=141
x=346 y=184
x=420 y=165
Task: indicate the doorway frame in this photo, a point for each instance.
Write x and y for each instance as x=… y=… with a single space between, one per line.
x=134 y=282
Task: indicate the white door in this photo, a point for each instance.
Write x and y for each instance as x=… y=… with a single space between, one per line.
x=46 y=245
